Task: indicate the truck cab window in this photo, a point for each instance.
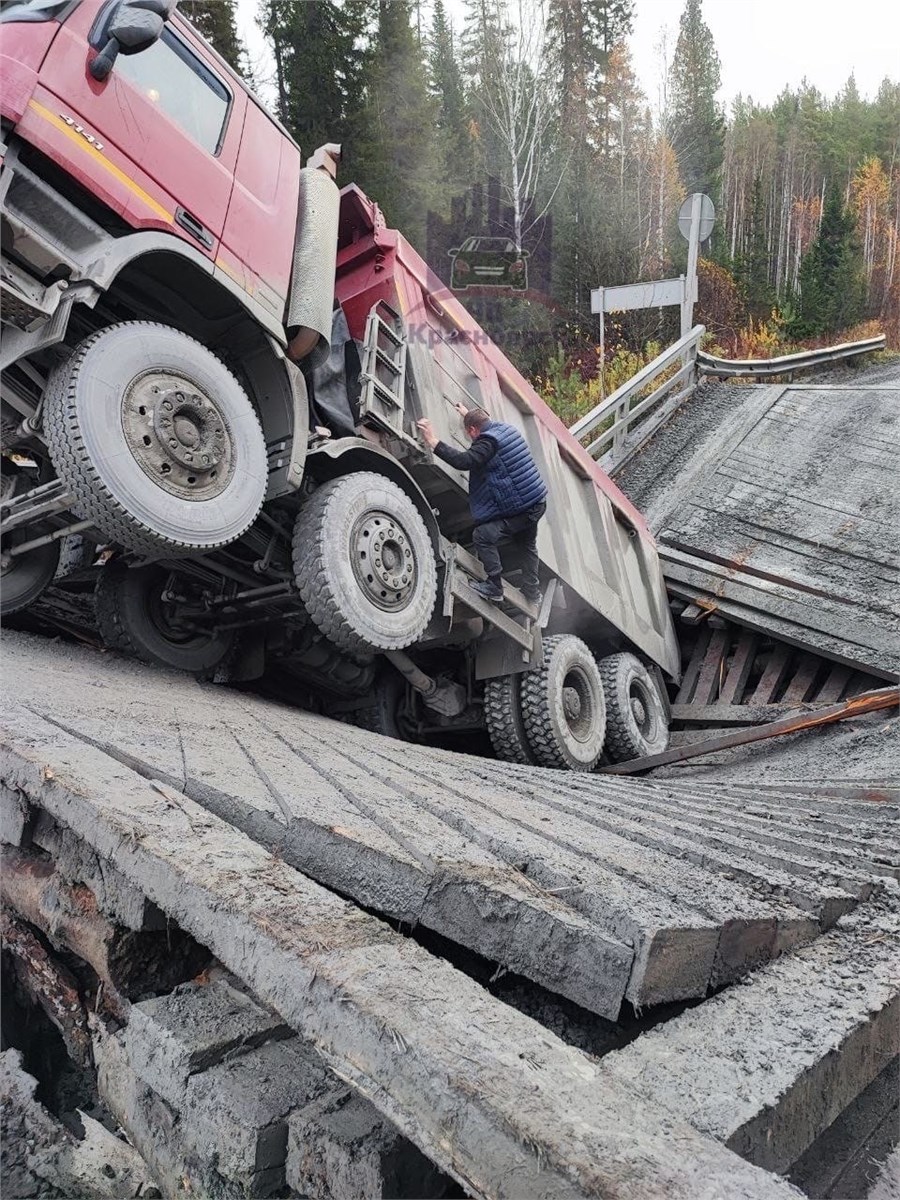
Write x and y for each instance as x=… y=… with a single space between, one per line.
x=171 y=77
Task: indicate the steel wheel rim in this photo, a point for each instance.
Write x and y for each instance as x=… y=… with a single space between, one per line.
x=579 y=704
x=384 y=561
x=178 y=435
x=640 y=704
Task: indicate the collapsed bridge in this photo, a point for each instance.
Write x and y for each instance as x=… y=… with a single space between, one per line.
x=473 y=952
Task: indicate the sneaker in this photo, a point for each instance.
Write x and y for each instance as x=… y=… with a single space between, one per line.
x=534 y=598
x=488 y=589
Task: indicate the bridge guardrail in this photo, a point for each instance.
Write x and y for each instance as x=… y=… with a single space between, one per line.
x=761 y=368
x=611 y=443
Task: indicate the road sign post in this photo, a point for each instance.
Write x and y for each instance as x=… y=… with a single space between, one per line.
x=695 y=221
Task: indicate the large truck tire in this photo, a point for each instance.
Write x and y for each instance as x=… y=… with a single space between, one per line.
x=133 y=619
x=382 y=715
x=636 y=722
x=503 y=718
x=156 y=440
x=563 y=706
x=25 y=576
x=364 y=564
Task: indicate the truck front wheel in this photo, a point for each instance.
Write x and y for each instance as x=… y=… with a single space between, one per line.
x=563 y=708
x=636 y=715
x=156 y=440
x=135 y=617
x=364 y=564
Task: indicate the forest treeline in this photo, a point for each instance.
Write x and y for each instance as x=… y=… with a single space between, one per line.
x=540 y=97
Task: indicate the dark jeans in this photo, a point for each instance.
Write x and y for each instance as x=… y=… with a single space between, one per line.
x=519 y=532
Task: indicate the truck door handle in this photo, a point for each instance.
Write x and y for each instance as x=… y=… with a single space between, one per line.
x=194 y=228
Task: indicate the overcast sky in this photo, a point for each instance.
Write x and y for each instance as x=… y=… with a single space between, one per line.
x=763 y=44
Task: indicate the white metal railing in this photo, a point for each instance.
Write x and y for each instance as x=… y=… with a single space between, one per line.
x=611 y=442
x=708 y=364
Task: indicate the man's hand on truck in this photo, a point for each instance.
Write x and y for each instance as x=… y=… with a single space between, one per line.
x=429 y=437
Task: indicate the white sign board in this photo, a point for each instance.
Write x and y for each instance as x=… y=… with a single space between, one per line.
x=654 y=293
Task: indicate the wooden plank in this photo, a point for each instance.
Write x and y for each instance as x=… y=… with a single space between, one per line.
x=711 y=672
x=785 y=629
x=772 y=675
x=741 y=665
x=431 y=1048
x=833 y=687
x=689 y=680
x=693 y=614
x=800 y=686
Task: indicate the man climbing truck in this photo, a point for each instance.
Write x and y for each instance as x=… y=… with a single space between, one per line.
x=507 y=497
x=214 y=366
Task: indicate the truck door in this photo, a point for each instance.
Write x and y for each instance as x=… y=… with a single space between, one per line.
x=157 y=139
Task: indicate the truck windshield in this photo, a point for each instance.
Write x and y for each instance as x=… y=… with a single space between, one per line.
x=35 y=10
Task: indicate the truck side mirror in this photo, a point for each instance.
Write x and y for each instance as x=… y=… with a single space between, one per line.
x=133 y=26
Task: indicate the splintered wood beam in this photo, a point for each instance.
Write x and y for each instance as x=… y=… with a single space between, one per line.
x=711 y=672
x=689 y=679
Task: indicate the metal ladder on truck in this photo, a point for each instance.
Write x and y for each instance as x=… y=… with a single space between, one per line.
x=382 y=403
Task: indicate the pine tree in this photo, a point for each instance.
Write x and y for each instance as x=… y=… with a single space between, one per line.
x=832 y=284
x=314 y=43
x=396 y=159
x=698 y=127
x=752 y=266
x=216 y=20
x=452 y=114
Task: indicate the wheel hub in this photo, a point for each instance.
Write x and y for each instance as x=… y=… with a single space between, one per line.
x=578 y=704
x=571 y=704
x=178 y=435
x=641 y=707
x=383 y=560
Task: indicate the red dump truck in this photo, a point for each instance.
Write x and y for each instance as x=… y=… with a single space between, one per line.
x=213 y=363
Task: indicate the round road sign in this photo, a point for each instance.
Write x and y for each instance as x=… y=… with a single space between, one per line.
x=707 y=216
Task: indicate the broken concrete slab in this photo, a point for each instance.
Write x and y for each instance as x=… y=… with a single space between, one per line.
x=846 y=1160
x=98 y=1166
x=423 y=1042
x=236 y=1112
x=15 y=817
x=153 y=1126
x=673 y=916
x=172 y=1037
x=341 y=1148
x=768 y=1064
x=618 y=898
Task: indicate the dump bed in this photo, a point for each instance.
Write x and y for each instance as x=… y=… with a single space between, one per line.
x=593 y=539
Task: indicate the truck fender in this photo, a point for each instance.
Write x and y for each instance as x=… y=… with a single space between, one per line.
x=343 y=455
x=118 y=253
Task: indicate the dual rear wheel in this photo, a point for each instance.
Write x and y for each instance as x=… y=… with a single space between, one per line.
x=571 y=708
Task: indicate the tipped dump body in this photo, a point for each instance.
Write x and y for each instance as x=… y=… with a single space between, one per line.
x=593 y=538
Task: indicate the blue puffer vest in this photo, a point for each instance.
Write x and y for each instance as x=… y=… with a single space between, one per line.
x=510 y=482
